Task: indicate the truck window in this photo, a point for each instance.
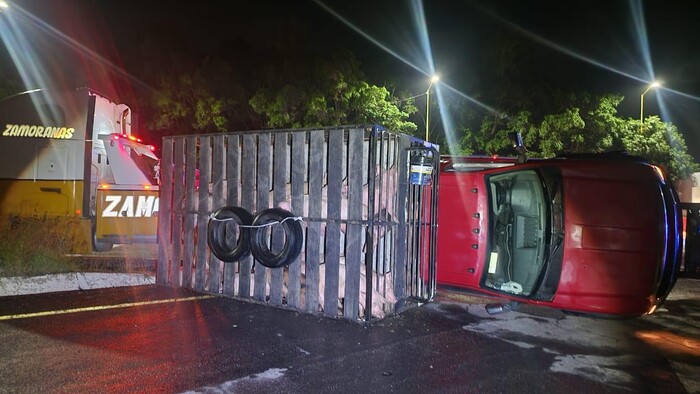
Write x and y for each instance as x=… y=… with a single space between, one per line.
x=518 y=220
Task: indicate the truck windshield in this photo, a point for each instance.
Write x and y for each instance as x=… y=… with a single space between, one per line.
x=518 y=217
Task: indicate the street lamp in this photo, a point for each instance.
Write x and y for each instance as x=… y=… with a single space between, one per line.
x=655 y=84
x=433 y=79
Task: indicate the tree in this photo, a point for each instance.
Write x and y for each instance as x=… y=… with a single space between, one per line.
x=660 y=143
x=202 y=101
x=585 y=125
x=493 y=139
x=332 y=92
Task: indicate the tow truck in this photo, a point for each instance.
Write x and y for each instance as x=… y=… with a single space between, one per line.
x=71 y=153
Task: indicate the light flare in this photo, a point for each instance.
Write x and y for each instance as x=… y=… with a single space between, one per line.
x=368 y=37
x=419 y=16
x=637 y=11
x=14 y=26
x=559 y=48
x=670 y=342
x=423 y=37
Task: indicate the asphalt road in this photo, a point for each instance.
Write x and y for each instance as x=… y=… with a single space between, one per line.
x=140 y=339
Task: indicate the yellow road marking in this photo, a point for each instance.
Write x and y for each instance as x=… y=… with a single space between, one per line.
x=102 y=307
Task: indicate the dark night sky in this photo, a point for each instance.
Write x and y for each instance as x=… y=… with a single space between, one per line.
x=460 y=34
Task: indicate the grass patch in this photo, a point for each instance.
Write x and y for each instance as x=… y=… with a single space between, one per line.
x=35 y=246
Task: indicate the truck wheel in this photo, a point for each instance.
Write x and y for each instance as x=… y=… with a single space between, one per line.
x=100 y=246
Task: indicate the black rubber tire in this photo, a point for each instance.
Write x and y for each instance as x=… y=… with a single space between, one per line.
x=294 y=235
x=99 y=246
x=216 y=234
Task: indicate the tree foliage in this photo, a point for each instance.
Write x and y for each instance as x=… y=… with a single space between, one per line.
x=585 y=125
x=661 y=143
x=202 y=101
x=332 y=92
x=293 y=92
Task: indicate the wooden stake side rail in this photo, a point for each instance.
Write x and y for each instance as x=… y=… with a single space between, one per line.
x=366 y=227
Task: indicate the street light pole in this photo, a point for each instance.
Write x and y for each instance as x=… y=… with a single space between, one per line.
x=433 y=79
x=655 y=84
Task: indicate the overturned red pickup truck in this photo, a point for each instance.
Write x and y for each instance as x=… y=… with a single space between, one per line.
x=592 y=233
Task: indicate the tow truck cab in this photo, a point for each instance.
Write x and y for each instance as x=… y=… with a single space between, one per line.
x=597 y=233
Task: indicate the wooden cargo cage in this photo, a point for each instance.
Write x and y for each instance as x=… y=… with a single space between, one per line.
x=333 y=221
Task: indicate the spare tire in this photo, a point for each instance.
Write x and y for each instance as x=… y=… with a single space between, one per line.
x=294 y=237
x=217 y=234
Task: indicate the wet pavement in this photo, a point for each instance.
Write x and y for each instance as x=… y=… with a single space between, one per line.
x=157 y=339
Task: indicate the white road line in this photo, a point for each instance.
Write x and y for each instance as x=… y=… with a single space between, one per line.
x=232 y=385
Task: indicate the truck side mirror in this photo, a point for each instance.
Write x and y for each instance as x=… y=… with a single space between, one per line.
x=518 y=145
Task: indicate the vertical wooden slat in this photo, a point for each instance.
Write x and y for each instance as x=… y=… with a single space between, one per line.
x=380 y=230
x=354 y=231
x=190 y=214
x=334 y=188
x=202 y=261
x=164 y=212
x=263 y=200
x=401 y=212
x=390 y=264
x=313 y=238
x=178 y=207
x=248 y=175
x=217 y=171
x=372 y=184
x=279 y=194
x=233 y=180
x=298 y=174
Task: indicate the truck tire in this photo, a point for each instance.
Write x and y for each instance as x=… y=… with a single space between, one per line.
x=99 y=246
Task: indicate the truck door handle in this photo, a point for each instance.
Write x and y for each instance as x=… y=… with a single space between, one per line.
x=56 y=190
